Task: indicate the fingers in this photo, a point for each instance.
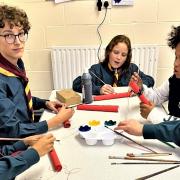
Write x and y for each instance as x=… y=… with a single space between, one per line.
x=49 y=139
x=135 y=76
x=143 y=105
x=30 y=140
x=122 y=125
x=54 y=105
x=107 y=89
x=44 y=144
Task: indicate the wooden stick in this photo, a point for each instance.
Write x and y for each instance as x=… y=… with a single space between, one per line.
x=11 y=139
x=131 y=140
x=148 y=154
x=156 y=173
x=117 y=163
x=20 y=139
x=142 y=159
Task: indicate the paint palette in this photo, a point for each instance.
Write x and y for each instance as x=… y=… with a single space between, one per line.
x=96 y=131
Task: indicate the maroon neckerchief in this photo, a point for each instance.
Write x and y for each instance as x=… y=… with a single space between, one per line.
x=20 y=72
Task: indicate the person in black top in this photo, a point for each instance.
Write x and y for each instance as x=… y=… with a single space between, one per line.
x=168 y=130
x=168 y=91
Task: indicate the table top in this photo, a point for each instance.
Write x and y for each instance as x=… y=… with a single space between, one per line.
x=82 y=161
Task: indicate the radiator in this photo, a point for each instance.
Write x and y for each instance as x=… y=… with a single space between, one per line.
x=70 y=62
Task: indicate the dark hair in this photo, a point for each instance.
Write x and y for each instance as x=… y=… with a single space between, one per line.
x=15 y=17
x=174 y=37
x=119 y=39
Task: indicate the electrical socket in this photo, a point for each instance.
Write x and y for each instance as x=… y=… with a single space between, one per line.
x=109 y=7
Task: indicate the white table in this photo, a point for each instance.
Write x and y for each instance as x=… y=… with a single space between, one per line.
x=81 y=161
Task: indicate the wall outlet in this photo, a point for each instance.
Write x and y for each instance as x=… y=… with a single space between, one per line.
x=109 y=1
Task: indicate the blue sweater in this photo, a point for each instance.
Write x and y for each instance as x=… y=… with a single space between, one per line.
x=166 y=131
x=11 y=166
x=107 y=76
x=14 y=118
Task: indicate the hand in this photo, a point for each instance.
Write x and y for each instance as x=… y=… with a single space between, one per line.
x=135 y=77
x=131 y=127
x=106 y=89
x=53 y=105
x=30 y=140
x=64 y=114
x=145 y=109
x=44 y=144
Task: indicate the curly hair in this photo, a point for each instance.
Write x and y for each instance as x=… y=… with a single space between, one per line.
x=119 y=39
x=14 y=17
x=174 y=37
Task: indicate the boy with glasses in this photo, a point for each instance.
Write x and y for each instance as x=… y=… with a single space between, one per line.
x=16 y=103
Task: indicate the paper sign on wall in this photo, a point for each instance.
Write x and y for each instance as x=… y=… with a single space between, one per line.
x=122 y=2
x=60 y=1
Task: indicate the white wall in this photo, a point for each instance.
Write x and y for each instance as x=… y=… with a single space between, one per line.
x=75 y=23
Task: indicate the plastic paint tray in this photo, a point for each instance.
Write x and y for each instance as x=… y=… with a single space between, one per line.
x=93 y=134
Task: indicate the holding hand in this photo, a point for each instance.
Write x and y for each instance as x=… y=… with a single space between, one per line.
x=63 y=115
x=53 y=105
x=106 y=89
x=145 y=109
x=44 y=144
x=131 y=127
x=30 y=140
x=135 y=77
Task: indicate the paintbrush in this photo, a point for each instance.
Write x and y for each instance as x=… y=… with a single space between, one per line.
x=119 y=163
x=142 y=159
x=148 y=154
x=73 y=105
x=20 y=139
x=97 y=77
x=131 y=140
x=138 y=69
x=156 y=173
x=168 y=144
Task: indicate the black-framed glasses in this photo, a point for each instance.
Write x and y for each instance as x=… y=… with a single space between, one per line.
x=10 y=38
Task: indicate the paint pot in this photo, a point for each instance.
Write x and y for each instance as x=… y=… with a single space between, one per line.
x=91 y=138
x=108 y=139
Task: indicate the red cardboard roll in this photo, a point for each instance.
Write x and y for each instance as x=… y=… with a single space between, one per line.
x=144 y=99
x=134 y=87
x=111 y=96
x=55 y=160
x=137 y=90
x=105 y=108
x=66 y=124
